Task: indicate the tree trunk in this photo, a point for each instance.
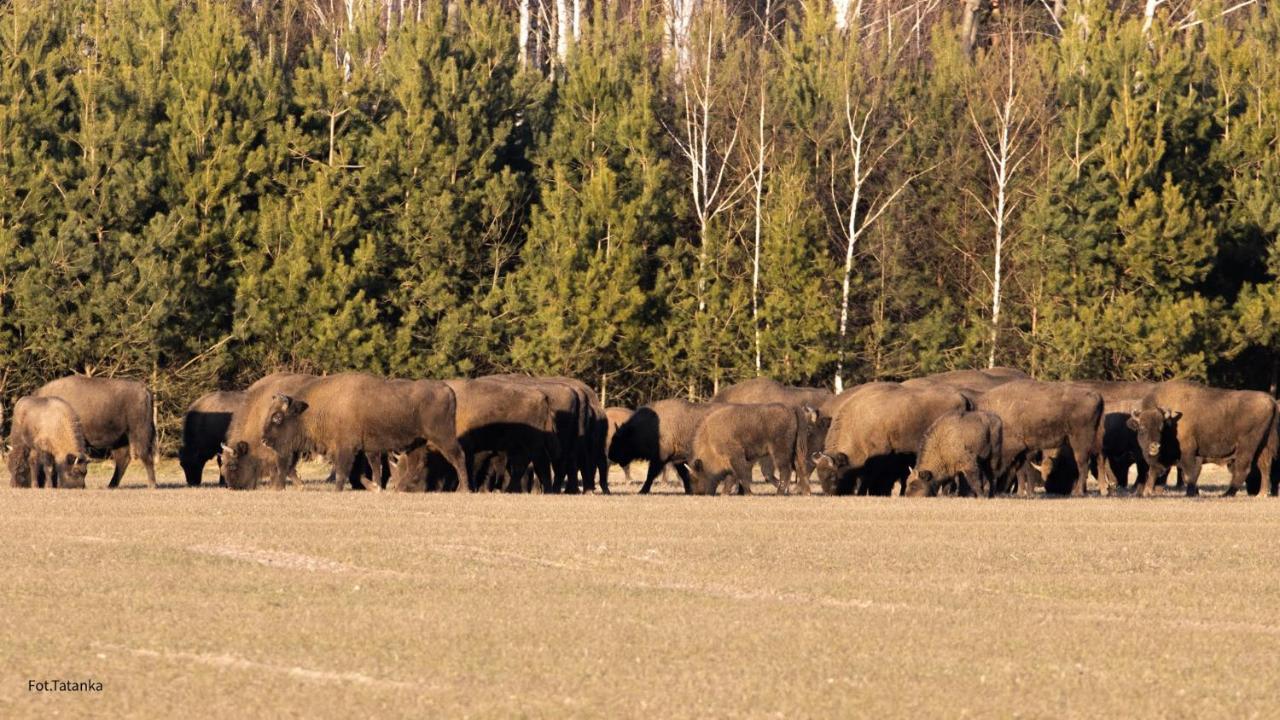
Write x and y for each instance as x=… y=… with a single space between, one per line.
x=755 y=264
x=525 y=25
x=562 y=32
x=969 y=25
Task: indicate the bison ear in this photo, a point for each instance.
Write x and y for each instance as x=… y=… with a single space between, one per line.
x=297 y=407
x=924 y=476
x=71 y=459
x=82 y=459
x=841 y=459
x=696 y=465
x=394 y=460
x=242 y=448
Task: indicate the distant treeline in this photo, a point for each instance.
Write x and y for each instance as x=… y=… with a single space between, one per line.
x=655 y=199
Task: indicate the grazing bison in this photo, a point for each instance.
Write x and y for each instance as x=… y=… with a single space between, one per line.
x=245 y=460
x=340 y=416
x=47 y=445
x=1057 y=419
x=501 y=426
x=117 y=417
x=961 y=450
x=617 y=416
x=204 y=430
x=660 y=433
x=876 y=433
x=976 y=380
x=1184 y=423
x=733 y=438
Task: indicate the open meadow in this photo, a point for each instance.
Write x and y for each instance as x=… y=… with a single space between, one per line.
x=312 y=604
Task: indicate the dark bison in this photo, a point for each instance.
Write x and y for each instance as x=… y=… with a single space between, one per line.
x=117 y=417
x=1120 y=450
x=733 y=438
x=340 y=416
x=502 y=427
x=1183 y=424
x=47 y=446
x=977 y=380
x=961 y=450
x=245 y=460
x=616 y=417
x=660 y=433
x=204 y=431
x=1046 y=419
x=581 y=429
x=876 y=433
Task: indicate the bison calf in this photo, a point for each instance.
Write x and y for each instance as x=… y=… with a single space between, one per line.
x=961 y=449
x=733 y=438
x=47 y=445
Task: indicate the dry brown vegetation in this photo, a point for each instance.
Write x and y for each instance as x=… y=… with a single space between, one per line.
x=310 y=603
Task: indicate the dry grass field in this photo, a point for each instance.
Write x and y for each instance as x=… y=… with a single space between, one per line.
x=311 y=604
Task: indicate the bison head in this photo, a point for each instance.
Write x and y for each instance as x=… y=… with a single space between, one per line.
x=408 y=470
x=72 y=470
x=239 y=468
x=920 y=484
x=830 y=468
x=19 y=461
x=1157 y=431
x=281 y=422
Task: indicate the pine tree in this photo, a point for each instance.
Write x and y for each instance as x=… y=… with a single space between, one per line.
x=580 y=304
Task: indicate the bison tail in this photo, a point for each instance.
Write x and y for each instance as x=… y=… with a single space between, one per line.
x=142 y=432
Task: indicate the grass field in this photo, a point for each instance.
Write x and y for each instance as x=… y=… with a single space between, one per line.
x=313 y=604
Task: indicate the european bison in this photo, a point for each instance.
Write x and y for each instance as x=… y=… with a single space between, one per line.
x=340 y=416
x=1120 y=449
x=961 y=450
x=501 y=426
x=733 y=438
x=1046 y=417
x=1184 y=423
x=47 y=445
x=977 y=380
x=766 y=390
x=660 y=433
x=581 y=429
x=245 y=460
x=204 y=430
x=876 y=433
x=117 y=417
x=616 y=417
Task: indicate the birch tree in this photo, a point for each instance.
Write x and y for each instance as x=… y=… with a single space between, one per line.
x=1006 y=147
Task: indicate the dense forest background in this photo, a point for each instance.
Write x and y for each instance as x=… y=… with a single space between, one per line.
x=655 y=197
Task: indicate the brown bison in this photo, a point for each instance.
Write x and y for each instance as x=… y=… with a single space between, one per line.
x=1057 y=419
x=244 y=459
x=117 y=417
x=617 y=416
x=977 y=380
x=961 y=450
x=501 y=426
x=660 y=433
x=47 y=446
x=1184 y=423
x=581 y=429
x=340 y=416
x=876 y=433
x=204 y=430
x=766 y=390
x=1120 y=448
x=732 y=438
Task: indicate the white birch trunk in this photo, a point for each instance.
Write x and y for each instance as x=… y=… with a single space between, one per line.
x=562 y=31
x=525 y=25
x=678 y=23
x=755 y=264
x=1149 y=14
x=577 y=21
x=841 y=8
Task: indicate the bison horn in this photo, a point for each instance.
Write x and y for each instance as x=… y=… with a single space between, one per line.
x=228 y=450
x=817 y=456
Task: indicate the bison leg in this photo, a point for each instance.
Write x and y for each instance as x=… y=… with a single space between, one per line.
x=374 y=479
x=453 y=454
x=741 y=476
x=654 y=469
x=121 y=457
x=1082 y=476
x=682 y=471
x=784 y=478
x=1189 y=468
x=1239 y=474
x=343 y=462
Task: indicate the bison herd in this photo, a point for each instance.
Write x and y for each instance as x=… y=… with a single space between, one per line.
x=978 y=433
